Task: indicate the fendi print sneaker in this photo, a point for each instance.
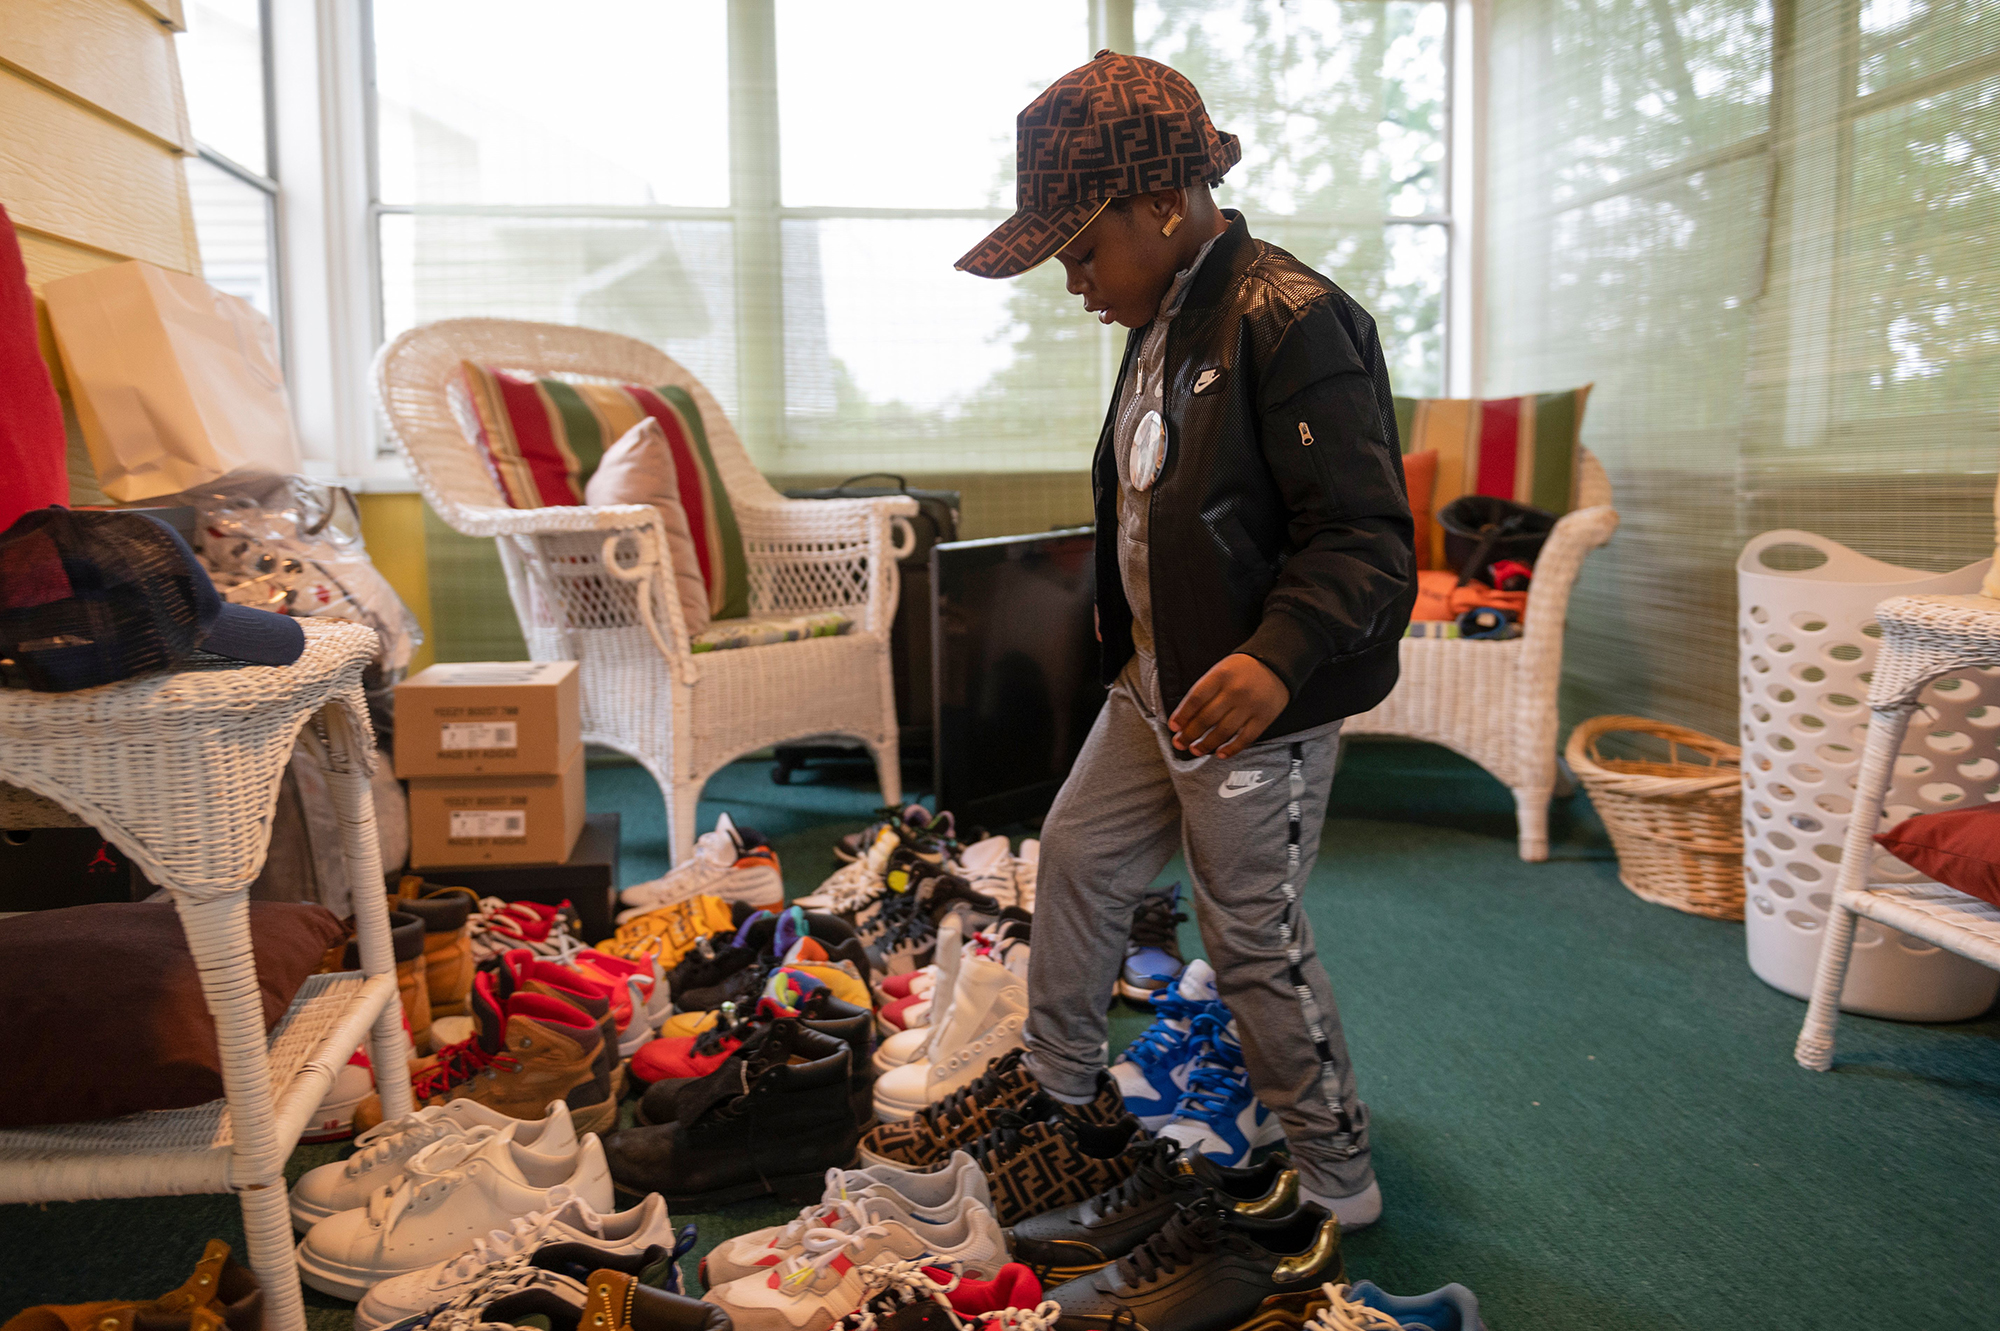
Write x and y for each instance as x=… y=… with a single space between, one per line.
x=1060 y=1161
x=927 y=1138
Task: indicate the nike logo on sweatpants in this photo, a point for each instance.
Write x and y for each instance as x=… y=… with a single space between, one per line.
x=1241 y=783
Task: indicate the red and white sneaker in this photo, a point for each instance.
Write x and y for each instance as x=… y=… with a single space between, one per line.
x=731 y=862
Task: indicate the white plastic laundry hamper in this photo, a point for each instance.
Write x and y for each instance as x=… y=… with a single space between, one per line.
x=1807 y=642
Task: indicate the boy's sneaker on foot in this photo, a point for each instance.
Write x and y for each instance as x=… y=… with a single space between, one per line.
x=1153 y=953
x=382 y=1152
x=1063 y=1244
x=1363 y=1306
x=1211 y=1269
x=961 y=1118
x=451 y=1190
x=730 y=862
x=622 y=1233
x=1219 y=1116
x=1153 y=1071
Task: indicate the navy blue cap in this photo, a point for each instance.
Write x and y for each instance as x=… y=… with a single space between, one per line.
x=93 y=597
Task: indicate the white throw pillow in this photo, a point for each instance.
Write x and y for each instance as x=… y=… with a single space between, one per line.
x=639 y=469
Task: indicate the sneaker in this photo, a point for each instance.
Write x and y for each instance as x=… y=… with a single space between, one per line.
x=671 y=1066
x=1219 y=1116
x=1027 y=861
x=1063 y=1244
x=932 y=1197
x=571 y=1221
x=908 y=940
x=556 y=1285
x=451 y=1191
x=824 y=1282
x=989 y=867
x=908 y=1296
x=381 y=1153
x=1211 y=1269
x=498 y=927
x=1152 y=1073
x=1363 y=1306
x=855 y=885
x=1153 y=953
x=989 y=1005
x=730 y=862
x=911 y=819
x=668 y=933
x=773 y=1119
x=923 y=1140
x=1056 y=1161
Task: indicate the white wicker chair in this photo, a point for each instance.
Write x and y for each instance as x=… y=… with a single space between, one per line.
x=1495 y=702
x=595 y=585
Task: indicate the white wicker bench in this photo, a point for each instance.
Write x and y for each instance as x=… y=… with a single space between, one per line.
x=180 y=772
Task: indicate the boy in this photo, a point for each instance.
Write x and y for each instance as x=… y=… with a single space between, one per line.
x=1255 y=572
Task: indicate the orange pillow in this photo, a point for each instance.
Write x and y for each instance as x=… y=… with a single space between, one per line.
x=1420 y=473
x=1958 y=847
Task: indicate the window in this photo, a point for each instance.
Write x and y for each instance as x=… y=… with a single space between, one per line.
x=232 y=184
x=790 y=236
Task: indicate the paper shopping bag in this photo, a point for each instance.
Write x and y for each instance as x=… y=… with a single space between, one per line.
x=175 y=382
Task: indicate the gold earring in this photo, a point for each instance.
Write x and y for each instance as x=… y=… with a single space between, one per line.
x=1173 y=224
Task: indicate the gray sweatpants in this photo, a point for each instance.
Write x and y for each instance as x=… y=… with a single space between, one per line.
x=1250 y=827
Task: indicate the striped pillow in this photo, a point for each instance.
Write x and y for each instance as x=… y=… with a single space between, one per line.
x=1519 y=448
x=542 y=439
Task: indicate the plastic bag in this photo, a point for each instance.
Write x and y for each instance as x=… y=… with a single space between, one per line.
x=293 y=545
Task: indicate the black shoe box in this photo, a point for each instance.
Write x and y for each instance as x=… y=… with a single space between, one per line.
x=50 y=867
x=588 y=879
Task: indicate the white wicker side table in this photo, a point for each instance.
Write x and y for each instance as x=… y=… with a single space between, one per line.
x=1923 y=638
x=181 y=771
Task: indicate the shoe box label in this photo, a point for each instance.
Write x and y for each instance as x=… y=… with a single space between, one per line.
x=483 y=735
x=471 y=824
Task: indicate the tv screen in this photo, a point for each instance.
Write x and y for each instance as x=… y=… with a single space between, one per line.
x=1014 y=671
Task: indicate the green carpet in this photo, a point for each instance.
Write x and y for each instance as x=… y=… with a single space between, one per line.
x=1585 y=1106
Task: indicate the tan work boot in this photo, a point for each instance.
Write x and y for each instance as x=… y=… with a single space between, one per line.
x=448 y=964
x=406 y=938
x=219 y=1296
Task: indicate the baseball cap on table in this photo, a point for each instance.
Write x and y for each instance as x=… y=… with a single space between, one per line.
x=1119 y=125
x=89 y=598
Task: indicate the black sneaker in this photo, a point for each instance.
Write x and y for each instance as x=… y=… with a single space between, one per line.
x=734 y=970
x=549 y=1283
x=820 y=1011
x=1063 y=1244
x=773 y=1119
x=910 y=941
x=1210 y=1269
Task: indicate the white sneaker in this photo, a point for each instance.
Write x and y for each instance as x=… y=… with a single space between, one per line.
x=572 y=1221
x=853 y=886
x=902 y=1047
x=452 y=1192
x=381 y=1153
x=826 y=1280
x=989 y=866
x=931 y=1198
x=989 y=1005
x=1027 y=862
x=726 y=863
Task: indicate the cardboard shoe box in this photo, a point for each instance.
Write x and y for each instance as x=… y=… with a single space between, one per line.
x=475 y=820
x=488 y=718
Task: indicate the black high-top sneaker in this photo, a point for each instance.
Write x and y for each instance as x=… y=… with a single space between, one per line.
x=820 y=1011
x=773 y=1119
x=927 y=1138
x=1032 y=1167
x=1211 y=1269
x=1063 y=1244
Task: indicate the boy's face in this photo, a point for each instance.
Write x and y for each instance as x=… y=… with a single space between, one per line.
x=1120 y=264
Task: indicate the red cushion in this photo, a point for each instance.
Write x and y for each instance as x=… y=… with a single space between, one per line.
x=1958 y=847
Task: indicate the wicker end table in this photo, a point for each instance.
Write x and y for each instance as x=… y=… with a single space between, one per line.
x=1923 y=638
x=181 y=771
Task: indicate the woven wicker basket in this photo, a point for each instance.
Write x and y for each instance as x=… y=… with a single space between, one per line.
x=1677 y=825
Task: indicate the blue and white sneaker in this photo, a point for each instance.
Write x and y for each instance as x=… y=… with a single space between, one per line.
x=1153 y=954
x=1218 y=1116
x=1152 y=1074
x=1364 y=1306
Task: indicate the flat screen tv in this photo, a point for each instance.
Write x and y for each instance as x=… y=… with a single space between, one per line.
x=1014 y=671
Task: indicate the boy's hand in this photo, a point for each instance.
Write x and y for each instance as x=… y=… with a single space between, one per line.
x=1228 y=708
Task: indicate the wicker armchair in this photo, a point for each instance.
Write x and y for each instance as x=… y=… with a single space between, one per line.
x=1495 y=702
x=595 y=585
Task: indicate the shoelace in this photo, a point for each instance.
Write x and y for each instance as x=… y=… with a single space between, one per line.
x=1344 y=1314
x=893 y=1285
x=958 y=1106
x=1007 y=1135
x=434 y=1172
x=1156 y=923
x=1161 y=1041
x=1217 y=1077
x=518 y=1275
x=1191 y=1232
x=1041 y=1317
x=410 y=1133
x=821 y=1244
x=1152 y=1176
x=457 y=1064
